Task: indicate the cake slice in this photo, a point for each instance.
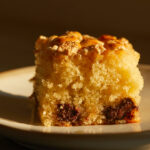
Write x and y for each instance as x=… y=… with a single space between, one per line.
x=82 y=80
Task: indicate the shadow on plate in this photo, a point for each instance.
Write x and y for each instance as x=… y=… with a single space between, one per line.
x=16 y=108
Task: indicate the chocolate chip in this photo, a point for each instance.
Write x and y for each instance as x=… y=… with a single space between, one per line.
x=67 y=112
x=123 y=111
x=125 y=108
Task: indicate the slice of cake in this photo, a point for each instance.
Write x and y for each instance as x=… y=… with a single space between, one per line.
x=82 y=80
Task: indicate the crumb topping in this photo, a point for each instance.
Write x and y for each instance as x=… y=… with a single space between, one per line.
x=72 y=43
x=112 y=43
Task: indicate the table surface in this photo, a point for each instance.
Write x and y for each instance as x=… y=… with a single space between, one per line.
x=7 y=144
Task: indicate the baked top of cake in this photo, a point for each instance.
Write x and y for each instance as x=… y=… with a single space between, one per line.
x=72 y=43
x=83 y=80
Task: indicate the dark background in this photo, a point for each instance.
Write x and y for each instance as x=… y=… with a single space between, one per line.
x=21 y=22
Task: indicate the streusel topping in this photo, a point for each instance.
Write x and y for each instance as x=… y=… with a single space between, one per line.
x=72 y=43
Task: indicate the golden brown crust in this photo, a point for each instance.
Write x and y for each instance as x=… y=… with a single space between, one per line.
x=114 y=43
x=72 y=43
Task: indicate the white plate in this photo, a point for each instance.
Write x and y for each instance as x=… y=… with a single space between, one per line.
x=16 y=119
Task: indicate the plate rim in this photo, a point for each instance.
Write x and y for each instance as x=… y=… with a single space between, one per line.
x=35 y=130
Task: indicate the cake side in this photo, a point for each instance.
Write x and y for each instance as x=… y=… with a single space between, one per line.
x=82 y=80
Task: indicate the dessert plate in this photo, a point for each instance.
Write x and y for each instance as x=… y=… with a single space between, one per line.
x=18 y=123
